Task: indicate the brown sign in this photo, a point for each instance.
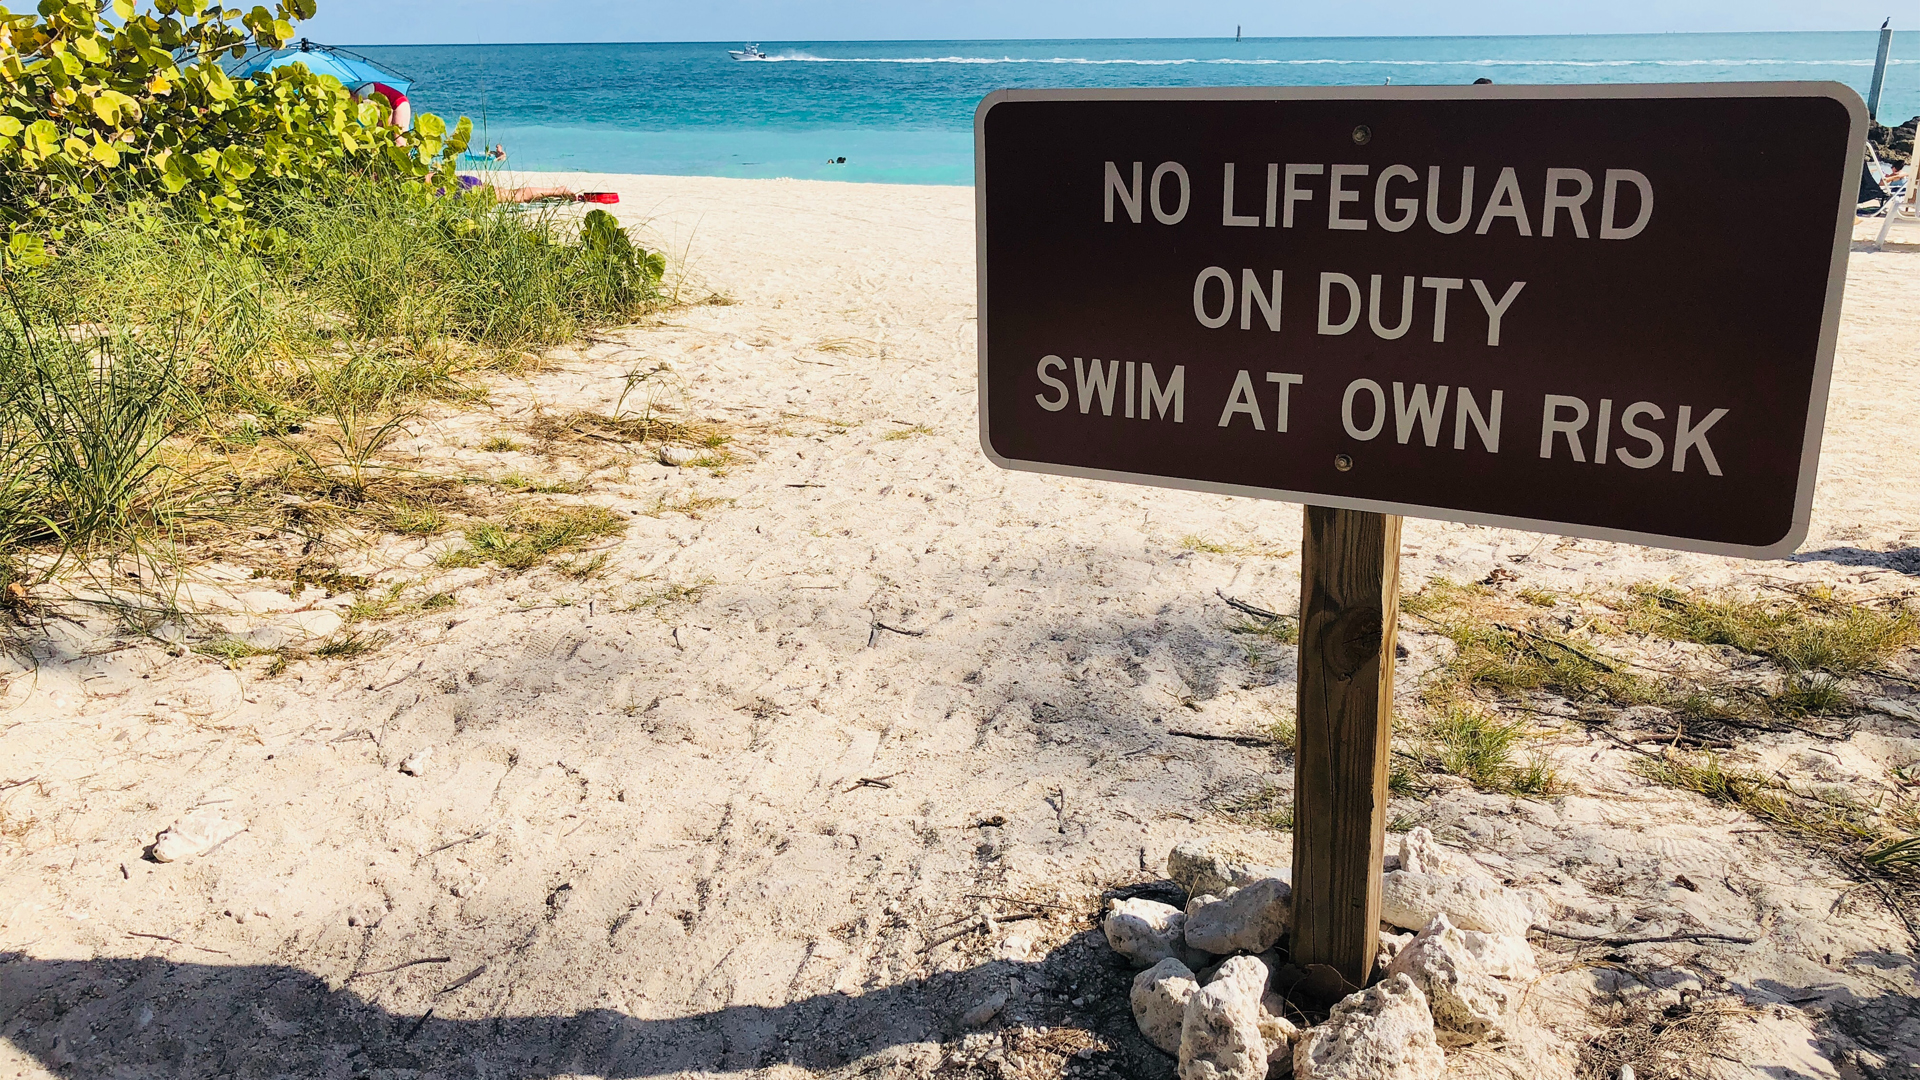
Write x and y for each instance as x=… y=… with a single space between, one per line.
x=1604 y=311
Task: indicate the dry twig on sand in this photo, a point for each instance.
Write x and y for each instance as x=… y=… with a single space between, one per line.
x=1248 y=609
x=401 y=967
x=1603 y=940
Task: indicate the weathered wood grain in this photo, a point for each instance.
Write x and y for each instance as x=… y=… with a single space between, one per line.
x=1349 y=602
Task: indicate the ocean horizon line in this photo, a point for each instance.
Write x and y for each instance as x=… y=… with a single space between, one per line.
x=901 y=111
x=1119 y=40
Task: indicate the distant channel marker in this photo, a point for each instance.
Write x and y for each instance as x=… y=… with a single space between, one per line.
x=1601 y=311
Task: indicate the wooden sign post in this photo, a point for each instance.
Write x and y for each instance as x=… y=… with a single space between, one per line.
x=1500 y=305
x=1349 y=602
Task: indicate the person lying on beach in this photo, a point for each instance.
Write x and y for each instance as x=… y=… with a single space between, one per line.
x=534 y=194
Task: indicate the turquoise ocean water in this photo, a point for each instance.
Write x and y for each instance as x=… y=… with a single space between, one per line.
x=902 y=112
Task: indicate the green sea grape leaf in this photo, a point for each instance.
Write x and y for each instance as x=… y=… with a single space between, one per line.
x=235 y=162
x=26 y=249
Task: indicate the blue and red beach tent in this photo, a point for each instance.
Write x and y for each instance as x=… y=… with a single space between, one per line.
x=355 y=72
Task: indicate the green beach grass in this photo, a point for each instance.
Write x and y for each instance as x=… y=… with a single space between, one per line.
x=157 y=383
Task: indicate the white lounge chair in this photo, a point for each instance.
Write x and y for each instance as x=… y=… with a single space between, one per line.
x=1900 y=205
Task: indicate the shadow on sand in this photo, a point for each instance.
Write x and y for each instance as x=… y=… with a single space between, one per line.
x=153 y=1017
x=1905 y=560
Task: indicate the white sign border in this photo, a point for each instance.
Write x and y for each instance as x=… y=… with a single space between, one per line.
x=1823 y=361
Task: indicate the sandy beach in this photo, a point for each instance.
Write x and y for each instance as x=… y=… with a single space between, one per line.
x=851 y=732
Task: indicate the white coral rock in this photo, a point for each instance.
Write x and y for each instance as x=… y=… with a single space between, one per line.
x=1147 y=932
x=1220 y=1037
x=1278 y=1032
x=1251 y=919
x=1381 y=1033
x=1467 y=1000
x=1391 y=944
x=1420 y=853
x=195 y=834
x=1410 y=901
x=1159 y=1001
x=1201 y=870
x=1195 y=903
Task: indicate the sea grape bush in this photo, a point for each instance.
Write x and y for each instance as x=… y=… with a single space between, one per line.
x=623 y=274
x=178 y=246
x=99 y=100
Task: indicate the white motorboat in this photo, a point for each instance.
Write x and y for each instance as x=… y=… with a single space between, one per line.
x=751 y=52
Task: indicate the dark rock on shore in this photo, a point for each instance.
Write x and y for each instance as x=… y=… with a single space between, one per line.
x=1893 y=144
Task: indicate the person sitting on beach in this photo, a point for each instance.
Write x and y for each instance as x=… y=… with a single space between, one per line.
x=399 y=110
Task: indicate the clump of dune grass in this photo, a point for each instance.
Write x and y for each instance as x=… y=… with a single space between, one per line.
x=582 y=569
x=1403 y=776
x=159 y=389
x=1816 y=639
x=85 y=417
x=1825 y=816
x=1267 y=807
x=417 y=269
x=1804 y=630
x=531 y=535
x=1206 y=546
x=376 y=603
x=431 y=288
x=691 y=505
x=350 y=643
x=1534 y=776
x=645 y=428
x=1496 y=656
x=408 y=519
x=669 y=595
x=231 y=650
x=1466 y=740
x=521 y=482
x=1283 y=732
x=1504 y=657
x=1894 y=854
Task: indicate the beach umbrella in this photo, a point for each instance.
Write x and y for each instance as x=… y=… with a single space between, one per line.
x=353 y=70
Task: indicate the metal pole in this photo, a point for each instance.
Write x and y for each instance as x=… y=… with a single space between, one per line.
x=1879 y=72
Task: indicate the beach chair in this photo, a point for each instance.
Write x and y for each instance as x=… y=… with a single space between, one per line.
x=1900 y=208
x=1870 y=189
x=1897 y=200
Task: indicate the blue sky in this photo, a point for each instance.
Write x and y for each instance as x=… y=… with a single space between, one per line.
x=501 y=21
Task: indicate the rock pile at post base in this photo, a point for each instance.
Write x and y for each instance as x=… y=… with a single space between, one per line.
x=1205 y=992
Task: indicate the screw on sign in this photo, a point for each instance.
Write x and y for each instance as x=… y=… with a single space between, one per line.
x=1504 y=305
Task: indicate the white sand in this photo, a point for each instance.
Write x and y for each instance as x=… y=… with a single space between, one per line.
x=643 y=812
